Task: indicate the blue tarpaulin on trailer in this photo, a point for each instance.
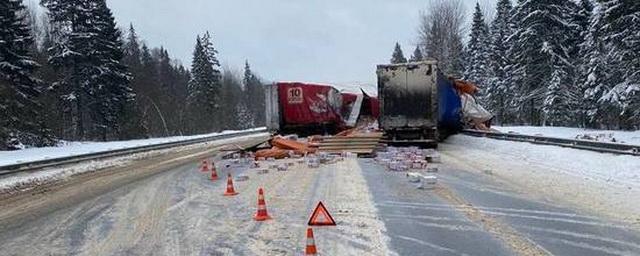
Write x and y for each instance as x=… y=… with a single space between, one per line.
x=449 y=106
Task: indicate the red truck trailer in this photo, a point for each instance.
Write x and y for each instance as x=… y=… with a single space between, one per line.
x=311 y=108
x=299 y=107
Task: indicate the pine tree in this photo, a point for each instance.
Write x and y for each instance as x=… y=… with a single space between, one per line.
x=417 y=55
x=398 y=56
x=541 y=50
x=20 y=118
x=499 y=90
x=477 y=70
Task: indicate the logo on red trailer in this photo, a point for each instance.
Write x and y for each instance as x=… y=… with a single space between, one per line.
x=294 y=95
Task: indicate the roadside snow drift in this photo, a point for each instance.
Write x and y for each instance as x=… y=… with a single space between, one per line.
x=25 y=181
x=626 y=137
x=80 y=148
x=606 y=184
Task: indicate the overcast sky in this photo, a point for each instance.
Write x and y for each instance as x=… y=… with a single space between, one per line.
x=332 y=41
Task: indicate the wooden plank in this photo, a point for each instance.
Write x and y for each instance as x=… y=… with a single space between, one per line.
x=331 y=143
x=358 y=151
x=351 y=139
x=357 y=136
x=344 y=148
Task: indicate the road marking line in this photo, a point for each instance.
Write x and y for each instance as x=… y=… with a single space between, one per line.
x=434 y=246
x=498 y=209
x=590 y=247
x=524 y=216
x=511 y=237
x=581 y=235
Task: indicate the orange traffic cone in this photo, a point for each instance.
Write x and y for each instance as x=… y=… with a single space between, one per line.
x=205 y=166
x=262 y=214
x=214 y=173
x=311 y=243
x=230 y=190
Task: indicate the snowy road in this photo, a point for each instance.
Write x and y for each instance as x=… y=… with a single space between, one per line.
x=181 y=212
x=177 y=210
x=473 y=214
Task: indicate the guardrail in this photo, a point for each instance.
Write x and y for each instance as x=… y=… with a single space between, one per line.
x=39 y=164
x=602 y=147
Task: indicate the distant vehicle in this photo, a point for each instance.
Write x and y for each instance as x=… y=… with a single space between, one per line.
x=418 y=105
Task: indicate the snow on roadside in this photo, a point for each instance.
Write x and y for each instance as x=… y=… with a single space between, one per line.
x=25 y=181
x=80 y=148
x=604 y=183
x=626 y=137
x=343 y=189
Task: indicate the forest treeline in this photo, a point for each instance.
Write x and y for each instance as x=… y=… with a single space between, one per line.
x=539 y=62
x=72 y=73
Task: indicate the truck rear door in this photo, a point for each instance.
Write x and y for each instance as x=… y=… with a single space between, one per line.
x=407 y=94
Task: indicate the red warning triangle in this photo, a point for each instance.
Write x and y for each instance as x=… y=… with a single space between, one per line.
x=321 y=217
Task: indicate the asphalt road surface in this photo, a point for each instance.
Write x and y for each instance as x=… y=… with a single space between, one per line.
x=177 y=210
x=472 y=214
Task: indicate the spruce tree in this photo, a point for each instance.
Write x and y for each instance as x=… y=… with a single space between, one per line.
x=498 y=90
x=204 y=87
x=19 y=110
x=456 y=55
x=88 y=51
x=620 y=32
x=477 y=70
x=231 y=102
x=198 y=65
x=244 y=117
x=583 y=17
x=254 y=95
x=69 y=55
x=417 y=55
x=213 y=75
x=131 y=50
x=543 y=65
x=112 y=95
x=398 y=56
x=590 y=66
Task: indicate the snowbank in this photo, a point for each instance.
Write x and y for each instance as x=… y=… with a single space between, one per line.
x=604 y=183
x=25 y=181
x=80 y=148
x=626 y=137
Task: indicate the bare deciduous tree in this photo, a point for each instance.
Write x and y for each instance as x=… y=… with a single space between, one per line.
x=440 y=34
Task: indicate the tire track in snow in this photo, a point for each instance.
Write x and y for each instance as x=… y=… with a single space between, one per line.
x=514 y=215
